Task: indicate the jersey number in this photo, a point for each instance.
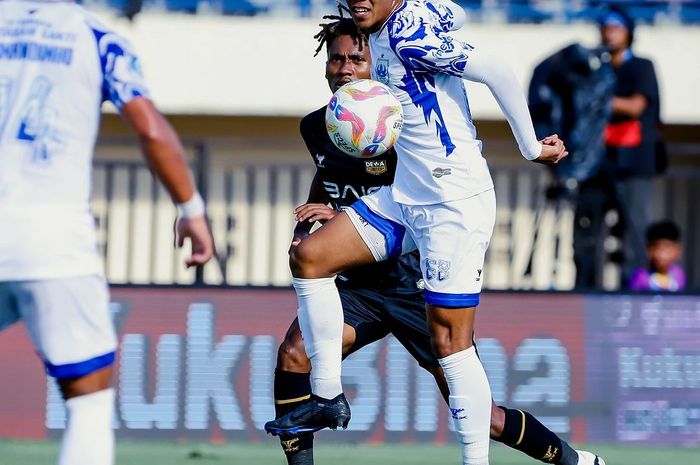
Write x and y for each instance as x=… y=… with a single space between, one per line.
x=35 y=120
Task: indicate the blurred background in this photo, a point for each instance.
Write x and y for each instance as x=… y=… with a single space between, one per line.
x=234 y=77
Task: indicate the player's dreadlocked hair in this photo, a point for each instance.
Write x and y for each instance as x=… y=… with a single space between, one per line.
x=340 y=26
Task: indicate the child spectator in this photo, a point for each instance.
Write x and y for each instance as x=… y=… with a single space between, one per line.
x=663 y=251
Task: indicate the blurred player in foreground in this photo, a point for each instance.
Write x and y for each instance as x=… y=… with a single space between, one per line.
x=380 y=298
x=58 y=64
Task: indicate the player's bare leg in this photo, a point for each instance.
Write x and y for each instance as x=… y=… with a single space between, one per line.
x=470 y=402
x=90 y=403
x=334 y=247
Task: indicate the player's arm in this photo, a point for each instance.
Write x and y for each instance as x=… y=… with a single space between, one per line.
x=632 y=106
x=645 y=89
x=315 y=209
x=165 y=156
x=123 y=84
x=501 y=81
x=435 y=51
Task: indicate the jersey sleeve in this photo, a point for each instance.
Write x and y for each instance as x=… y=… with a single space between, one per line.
x=122 y=78
x=423 y=42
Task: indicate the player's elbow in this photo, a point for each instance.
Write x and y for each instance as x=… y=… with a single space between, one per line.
x=158 y=132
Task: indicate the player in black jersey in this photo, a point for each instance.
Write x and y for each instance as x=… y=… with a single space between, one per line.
x=382 y=298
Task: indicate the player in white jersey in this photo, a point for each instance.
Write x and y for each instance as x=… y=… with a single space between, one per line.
x=57 y=65
x=442 y=202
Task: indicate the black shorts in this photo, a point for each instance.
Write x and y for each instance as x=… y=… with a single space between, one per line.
x=375 y=315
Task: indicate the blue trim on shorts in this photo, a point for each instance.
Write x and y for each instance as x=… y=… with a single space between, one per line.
x=78 y=369
x=445 y=299
x=393 y=232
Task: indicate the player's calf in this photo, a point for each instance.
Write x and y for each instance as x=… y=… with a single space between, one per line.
x=522 y=431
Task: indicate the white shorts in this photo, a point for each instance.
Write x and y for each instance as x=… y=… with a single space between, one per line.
x=68 y=321
x=452 y=239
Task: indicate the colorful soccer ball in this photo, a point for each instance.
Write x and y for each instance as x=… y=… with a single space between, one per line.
x=364 y=119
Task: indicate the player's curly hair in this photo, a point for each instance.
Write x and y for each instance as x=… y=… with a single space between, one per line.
x=340 y=25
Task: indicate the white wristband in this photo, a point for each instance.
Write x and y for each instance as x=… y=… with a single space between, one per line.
x=193 y=208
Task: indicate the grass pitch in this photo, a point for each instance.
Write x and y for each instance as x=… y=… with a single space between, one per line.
x=269 y=453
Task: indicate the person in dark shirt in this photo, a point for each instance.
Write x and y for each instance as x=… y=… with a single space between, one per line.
x=634 y=155
x=382 y=298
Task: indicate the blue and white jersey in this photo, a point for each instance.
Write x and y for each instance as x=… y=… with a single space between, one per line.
x=439 y=156
x=57 y=65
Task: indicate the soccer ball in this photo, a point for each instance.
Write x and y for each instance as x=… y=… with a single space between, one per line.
x=364 y=119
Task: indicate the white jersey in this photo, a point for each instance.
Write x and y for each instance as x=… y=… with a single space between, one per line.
x=57 y=65
x=439 y=156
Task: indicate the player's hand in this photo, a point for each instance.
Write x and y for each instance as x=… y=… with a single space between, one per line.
x=313 y=212
x=553 y=150
x=197 y=230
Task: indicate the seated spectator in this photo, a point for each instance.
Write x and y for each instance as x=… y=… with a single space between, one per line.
x=663 y=251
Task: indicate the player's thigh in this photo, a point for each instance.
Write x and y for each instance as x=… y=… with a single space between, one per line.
x=334 y=247
x=69 y=322
x=452 y=239
x=9 y=313
x=362 y=312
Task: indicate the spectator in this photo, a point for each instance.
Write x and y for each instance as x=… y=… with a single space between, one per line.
x=634 y=155
x=663 y=251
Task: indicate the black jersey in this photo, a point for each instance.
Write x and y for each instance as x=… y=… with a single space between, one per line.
x=346 y=179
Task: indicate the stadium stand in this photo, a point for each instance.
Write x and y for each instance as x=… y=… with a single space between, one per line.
x=515 y=11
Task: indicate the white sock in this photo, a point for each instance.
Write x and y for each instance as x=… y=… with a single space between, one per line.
x=89 y=438
x=470 y=404
x=321 y=321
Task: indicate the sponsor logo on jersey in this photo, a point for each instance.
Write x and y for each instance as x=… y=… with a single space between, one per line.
x=337 y=191
x=381 y=71
x=440 y=172
x=376 y=167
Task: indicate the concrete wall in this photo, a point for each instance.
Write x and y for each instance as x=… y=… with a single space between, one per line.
x=265 y=66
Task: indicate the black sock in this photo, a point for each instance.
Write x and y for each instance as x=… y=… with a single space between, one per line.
x=292 y=389
x=525 y=433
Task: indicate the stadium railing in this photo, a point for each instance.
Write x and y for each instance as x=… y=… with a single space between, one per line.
x=250 y=210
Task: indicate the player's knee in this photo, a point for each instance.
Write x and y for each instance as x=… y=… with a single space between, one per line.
x=305 y=260
x=291 y=356
x=446 y=343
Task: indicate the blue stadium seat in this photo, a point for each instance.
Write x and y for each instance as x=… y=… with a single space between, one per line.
x=241 y=8
x=519 y=11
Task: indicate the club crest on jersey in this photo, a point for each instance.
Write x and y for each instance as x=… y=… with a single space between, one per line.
x=376 y=167
x=381 y=71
